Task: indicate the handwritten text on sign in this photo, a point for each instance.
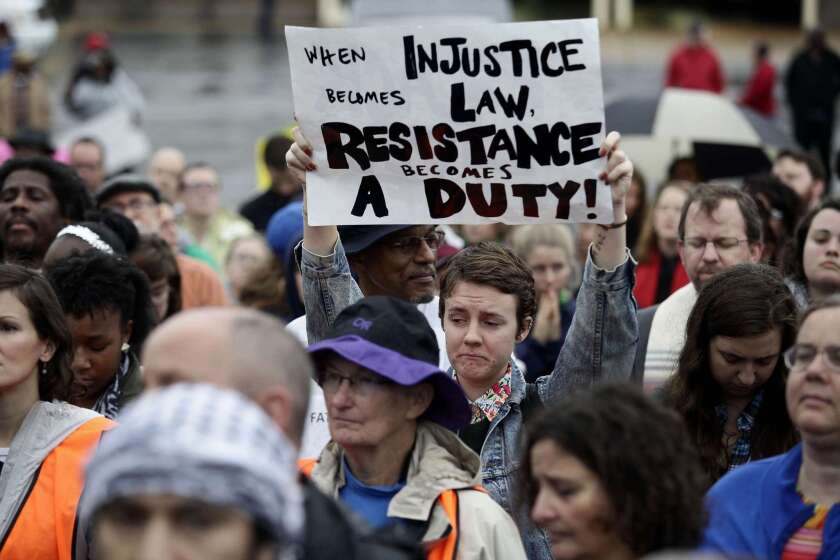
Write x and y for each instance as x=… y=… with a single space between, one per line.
x=452 y=124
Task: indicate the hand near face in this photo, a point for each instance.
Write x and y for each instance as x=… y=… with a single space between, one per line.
x=547 y=322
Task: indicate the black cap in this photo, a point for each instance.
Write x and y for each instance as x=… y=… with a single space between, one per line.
x=32 y=138
x=356 y=239
x=391 y=338
x=124 y=183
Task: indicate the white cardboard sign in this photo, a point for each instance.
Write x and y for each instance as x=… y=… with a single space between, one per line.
x=452 y=124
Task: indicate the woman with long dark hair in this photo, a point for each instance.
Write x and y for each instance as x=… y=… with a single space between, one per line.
x=43 y=441
x=814 y=265
x=730 y=381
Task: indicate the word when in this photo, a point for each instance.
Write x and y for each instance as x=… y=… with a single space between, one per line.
x=326 y=56
x=520 y=55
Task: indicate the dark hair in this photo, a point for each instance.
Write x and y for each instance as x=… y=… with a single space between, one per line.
x=65 y=183
x=491 y=264
x=762 y=49
x=95 y=281
x=274 y=154
x=648 y=238
x=743 y=300
x=675 y=164
x=795 y=267
x=155 y=258
x=123 y=227
x=641 y=455
x=709 y=196
x=35 y=293
x=815 y=166
x=773 y=196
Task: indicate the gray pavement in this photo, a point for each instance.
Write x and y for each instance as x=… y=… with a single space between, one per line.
x=214 y=96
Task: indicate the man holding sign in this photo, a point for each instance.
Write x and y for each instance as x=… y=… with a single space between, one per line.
x=487 y=297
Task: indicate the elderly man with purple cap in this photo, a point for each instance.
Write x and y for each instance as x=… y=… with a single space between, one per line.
x=393 y=458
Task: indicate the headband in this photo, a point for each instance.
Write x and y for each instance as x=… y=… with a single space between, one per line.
x=88 y=236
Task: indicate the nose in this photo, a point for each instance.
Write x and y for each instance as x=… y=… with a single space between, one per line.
x=747 y=374
x=19 y=201
x=81 y=361
x=425 y=254
x=472 y=336
x=342 y=397
x=710 y=253
x=541 y=512
x=157 y=541
x=834 y=246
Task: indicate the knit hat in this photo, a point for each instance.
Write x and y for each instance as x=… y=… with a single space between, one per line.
x=205 y=443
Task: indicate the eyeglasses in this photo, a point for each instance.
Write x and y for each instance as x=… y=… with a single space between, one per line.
x=361 y=385
x=410 y=245
x=202 y=185
x=800 y=356
x=722 y=244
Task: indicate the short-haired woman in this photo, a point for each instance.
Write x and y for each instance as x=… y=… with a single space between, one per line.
x=786 y=506
x=609 y=473
x=729 y=384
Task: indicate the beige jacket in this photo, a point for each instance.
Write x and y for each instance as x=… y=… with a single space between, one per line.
x=38 y=103
x=439 y=462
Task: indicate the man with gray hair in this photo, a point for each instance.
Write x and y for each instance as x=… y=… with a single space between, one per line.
x=194 y=471
x=253 y=353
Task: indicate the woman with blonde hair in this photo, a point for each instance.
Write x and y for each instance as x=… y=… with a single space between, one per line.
x=549 y=251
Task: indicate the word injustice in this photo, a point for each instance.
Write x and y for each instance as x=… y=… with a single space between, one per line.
x=557 y=145
x=520 y=56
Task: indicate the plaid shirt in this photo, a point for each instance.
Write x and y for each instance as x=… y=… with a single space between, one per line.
x=740 y=453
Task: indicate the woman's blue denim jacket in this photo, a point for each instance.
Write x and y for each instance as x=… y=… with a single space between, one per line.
x=600 y=345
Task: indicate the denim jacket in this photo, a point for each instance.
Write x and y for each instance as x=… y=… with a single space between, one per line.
x=600 y=345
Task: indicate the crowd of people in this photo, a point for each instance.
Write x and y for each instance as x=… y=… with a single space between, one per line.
x=181 y=380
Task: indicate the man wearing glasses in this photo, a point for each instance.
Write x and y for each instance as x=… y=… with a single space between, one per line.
x=719 y=227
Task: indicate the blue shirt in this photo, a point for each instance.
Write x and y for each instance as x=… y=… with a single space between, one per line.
x=370 y=502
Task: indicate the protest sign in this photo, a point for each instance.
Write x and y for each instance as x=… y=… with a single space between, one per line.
x=452 y=124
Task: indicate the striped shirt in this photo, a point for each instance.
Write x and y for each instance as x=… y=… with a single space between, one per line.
x=806 y=543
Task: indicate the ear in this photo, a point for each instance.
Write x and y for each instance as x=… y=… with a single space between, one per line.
x=277 y=403
x=527 y=325
x=419 y=399
x=129 y=328
x=756 y=250
x=817 y=190
x=681 y=250
x=48 y=352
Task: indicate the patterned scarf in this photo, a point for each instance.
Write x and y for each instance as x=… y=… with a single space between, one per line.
x=108 y=402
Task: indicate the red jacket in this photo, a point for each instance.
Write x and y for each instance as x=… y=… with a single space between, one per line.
x=695 y=67
x=759 y=92
x=647 y=277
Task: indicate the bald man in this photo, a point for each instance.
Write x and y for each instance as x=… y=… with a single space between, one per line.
x=236 y=348
x=252 y=352
x=165 y=168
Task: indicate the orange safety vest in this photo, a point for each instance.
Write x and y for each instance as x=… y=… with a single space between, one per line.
x=45 y=524
x=443 y=549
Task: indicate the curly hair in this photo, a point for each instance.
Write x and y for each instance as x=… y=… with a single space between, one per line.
x=69 y=189
x=93 y=281
x=744 y=300
x=491 y=264
x=36 y=295
x=642 y=456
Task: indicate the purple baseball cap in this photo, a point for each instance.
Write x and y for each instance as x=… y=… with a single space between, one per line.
x=391 y=338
